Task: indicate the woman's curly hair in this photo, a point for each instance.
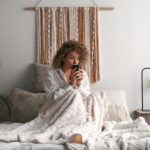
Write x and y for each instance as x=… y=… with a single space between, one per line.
x=67 y=47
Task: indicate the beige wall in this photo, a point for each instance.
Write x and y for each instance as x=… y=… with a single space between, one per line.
x=124 y=42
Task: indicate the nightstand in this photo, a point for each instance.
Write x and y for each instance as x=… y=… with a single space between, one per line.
x=145 y=114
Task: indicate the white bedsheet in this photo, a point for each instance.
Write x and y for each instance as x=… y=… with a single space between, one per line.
x=29 y=146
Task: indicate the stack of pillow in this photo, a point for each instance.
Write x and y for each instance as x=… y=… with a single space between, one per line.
x=25 y=105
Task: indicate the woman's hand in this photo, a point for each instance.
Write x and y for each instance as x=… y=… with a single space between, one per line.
x=76 y=77
x=80 y=77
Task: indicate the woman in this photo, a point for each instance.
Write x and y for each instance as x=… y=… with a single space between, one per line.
x=71 y=112
x=63 y=75
x=72 y=52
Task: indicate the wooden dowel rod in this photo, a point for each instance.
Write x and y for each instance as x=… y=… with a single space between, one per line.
x=106 y=8
x=30 y=8
x=100 y=8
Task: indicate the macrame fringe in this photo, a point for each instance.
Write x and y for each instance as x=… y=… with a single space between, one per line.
x=57 y=25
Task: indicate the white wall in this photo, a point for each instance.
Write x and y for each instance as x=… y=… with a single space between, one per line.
x=125 y=47
x=124 y=42
x=17 y=44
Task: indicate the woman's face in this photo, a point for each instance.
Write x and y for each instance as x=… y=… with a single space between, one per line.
x=73 y=57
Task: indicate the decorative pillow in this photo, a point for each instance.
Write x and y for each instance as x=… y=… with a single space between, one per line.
x=41 y=81
x=116 y=113
x=4 y=111
x=25 y=105
x=115 y=106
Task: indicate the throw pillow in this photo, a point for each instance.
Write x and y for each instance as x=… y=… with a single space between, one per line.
x=116 y=113
x=41 y=82
x=25 y=105
x=4 y=111
x=115 y=105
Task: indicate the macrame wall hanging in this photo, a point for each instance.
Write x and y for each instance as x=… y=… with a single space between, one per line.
x=56 y=25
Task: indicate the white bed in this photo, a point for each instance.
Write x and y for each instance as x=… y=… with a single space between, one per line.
x=120 y=132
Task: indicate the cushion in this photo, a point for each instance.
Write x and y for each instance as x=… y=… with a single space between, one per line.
x=4 y=110
x=41 y=82
x=115 y=105
x=116 y=113
x=25 y=105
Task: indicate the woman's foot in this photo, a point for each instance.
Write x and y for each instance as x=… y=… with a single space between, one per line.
x=35 y=141
x=76 y=138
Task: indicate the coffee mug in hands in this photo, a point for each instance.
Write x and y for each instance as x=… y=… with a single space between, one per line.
x=77 y=66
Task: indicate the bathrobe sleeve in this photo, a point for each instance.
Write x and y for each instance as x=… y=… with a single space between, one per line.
x=84 y=88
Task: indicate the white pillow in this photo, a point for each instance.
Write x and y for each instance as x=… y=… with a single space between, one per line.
x=41 y=82
x=116 y=112
x=115 y=105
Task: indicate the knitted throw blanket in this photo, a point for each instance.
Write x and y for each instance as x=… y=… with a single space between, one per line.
x=61 y=117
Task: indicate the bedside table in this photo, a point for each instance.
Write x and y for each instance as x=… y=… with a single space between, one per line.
x=145 y=114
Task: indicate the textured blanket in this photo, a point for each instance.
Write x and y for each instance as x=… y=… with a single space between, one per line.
x=60 y=118
x=125 y=135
